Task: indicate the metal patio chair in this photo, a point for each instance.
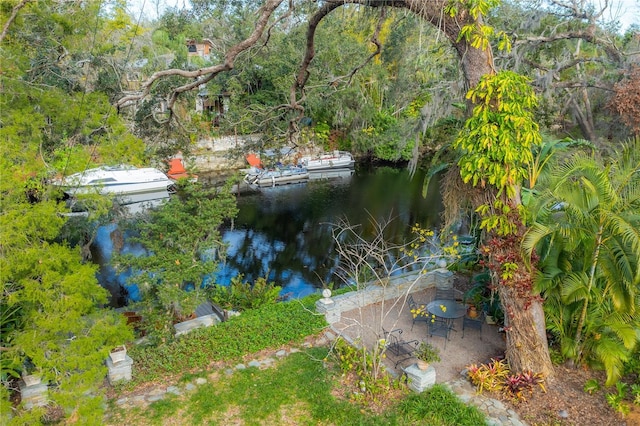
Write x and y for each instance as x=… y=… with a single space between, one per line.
x=476 y=323
x=440 y=327
x=445 y=294
x=400 y=349
x=418 y=311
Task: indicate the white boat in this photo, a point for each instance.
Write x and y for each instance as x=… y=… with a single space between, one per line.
x=279 y=176
x=128 y=184
x=328 y=160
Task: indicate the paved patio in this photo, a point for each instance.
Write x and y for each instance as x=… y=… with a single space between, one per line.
x=365 y=324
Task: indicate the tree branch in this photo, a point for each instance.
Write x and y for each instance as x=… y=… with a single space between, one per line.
x=203 y=75
x=14 y=14
x=587 y=35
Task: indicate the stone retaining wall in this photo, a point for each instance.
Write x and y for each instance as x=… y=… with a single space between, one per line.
x=333 y=307
x=212 y=155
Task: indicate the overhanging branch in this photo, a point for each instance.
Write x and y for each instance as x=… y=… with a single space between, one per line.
x=204 y=75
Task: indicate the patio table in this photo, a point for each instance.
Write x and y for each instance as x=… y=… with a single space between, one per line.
x=447 y=309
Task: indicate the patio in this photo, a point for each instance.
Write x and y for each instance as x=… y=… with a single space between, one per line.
x=366 y=325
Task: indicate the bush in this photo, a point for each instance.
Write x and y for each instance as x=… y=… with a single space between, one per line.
x=241 y=295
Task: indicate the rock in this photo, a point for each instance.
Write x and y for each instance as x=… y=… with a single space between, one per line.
x=174 y=390
x=154 y=398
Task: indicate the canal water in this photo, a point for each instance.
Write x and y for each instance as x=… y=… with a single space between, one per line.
x=285 y=232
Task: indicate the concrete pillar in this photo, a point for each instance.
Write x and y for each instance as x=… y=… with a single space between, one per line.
x=328 y=307
x=419 y=380
x=119 y=370
x=34 y=395
x=443 y=278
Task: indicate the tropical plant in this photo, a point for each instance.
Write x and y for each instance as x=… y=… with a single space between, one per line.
x=616 y=399
x=635 y=393
x=517 y=384
x=591 y=386
x=489 y=377
x=586 y=233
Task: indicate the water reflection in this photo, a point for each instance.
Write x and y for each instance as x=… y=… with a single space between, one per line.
x=285 y=232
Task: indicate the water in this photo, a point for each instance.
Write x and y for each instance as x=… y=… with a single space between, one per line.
x=285 y=232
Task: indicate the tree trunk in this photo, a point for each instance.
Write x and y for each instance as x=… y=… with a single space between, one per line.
x=527 y=347
x=475 y=62
x=525 y=328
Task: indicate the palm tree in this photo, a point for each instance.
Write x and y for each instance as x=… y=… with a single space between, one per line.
x=587 y=234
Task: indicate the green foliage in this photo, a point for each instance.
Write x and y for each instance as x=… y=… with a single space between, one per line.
x=586 y=234
x=477 y=33
x=63 y=332
x=369 y=385
x=10 y=316
x=496 y=376
x=54 y=124
x=437 y=406
x=394 y=150
x=183 y=241
x=497 y=140
x=591 y=386
x=241 y=295
x=635 y=393
x=427 y=352
x=517 y=384
x=321 y=132
x=489 y=377
x=270 y=326
x=616 y=400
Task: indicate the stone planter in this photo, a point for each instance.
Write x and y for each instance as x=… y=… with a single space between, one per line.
x=121 y=370
x=422 y=365
x=420 y=380
x=490 y=320
x=118 y=354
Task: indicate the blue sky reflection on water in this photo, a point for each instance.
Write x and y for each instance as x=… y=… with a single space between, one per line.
x=285 y=233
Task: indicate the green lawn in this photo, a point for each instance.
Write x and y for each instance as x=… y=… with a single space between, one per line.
x=296 y=390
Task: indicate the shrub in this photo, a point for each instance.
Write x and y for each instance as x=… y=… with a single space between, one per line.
x=616 y=400
x=591 y=386
x=496 y=377
x=241 y=295
x=369 y=382
x=517 y=384
x=489 y=377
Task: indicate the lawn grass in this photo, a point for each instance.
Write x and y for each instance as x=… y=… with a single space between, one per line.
x=296 y=390
x=303 y=388
x=270 y=326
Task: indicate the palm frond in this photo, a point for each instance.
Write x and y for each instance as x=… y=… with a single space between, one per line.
x=575 y=287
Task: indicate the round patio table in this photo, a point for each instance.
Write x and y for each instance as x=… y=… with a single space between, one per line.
x=446 y=308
